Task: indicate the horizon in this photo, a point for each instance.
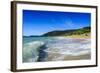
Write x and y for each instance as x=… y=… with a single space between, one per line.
x=37 y=23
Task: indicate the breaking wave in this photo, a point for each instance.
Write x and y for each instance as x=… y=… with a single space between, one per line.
x=31 y=51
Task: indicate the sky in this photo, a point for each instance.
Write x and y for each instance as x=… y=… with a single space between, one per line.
x=41 y=22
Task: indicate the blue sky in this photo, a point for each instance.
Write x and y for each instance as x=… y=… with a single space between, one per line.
x=40 y=22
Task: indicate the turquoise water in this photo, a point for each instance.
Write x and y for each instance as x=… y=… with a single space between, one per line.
x=39 y=49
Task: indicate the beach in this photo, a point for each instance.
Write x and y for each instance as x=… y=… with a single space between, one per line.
x=64 y=57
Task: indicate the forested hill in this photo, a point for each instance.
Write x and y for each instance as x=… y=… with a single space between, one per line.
x=69 y=32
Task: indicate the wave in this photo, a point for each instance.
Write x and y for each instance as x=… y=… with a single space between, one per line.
x=31 y=51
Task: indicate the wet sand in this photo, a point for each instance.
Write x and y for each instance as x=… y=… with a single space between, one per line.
x=64 y=57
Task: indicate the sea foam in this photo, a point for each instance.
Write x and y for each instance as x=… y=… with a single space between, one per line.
x=30 y=51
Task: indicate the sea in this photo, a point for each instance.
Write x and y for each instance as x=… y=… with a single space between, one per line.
x=42 y=49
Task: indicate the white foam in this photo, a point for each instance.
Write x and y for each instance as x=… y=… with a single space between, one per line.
x=30 y=51
x=72 y=48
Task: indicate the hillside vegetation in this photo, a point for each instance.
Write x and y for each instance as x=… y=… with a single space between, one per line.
x=81 y=31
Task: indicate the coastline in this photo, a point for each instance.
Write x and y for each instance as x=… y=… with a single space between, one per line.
x=78 y=36
x=73 y=37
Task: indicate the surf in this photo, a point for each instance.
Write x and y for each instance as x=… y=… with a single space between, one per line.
x=43 y=49
x=31 y=51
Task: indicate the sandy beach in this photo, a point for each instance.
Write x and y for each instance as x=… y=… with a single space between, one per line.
x=58 y=56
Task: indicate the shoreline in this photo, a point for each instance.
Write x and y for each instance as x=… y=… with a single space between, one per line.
x=69 y=36
x=78 y=36
x=73 y=37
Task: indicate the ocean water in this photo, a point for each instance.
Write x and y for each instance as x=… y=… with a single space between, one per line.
x=41 y=49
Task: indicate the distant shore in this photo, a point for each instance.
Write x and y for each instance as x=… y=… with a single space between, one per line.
x=74 y=37
x=77 y=36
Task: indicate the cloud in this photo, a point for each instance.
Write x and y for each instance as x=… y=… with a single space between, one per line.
x=69 y=23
